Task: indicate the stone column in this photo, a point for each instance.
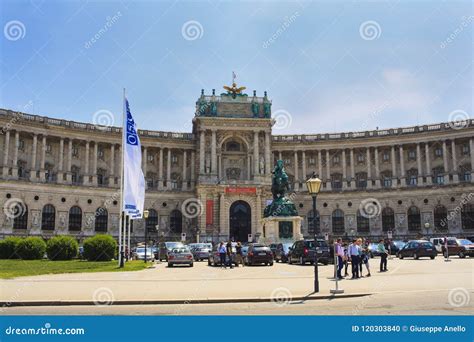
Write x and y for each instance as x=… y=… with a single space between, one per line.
x=471 y=149
x=168 y=170
x=303 y=161
x=297 y=178
x=15 y=156
x=403 y=181
x=86 y=164
x=394 y=168
x=249 y=166
x=160 y=170
x=428 y=166
x=94 y=163
x=6 y=148
x=455 y=162
x=258 y=214
x=255 y=154
x=377 y=167
x=353 y=183
x=328 y=171
x=184 y=175
x=202 y=147
x=112 y=167
x=61 y=159
x=219 y=166
x=193 y=158
x=280 y=155
x=320 y=165
x=144 y=160
x=43 y=160
x=213 y=153
x=268 y=166
x=369 y=171
x=445 y=163
x=418 y=164
x=222 y=215
x=33 y=158
x=69 y=163
x=344 y=169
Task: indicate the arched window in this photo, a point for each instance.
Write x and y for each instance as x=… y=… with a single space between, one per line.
x=362 y=222
x=101 y=219
x=48 y=217
x=313 y=225
x=440 y=215
x=414 y=218
x=388 y=219
x=467 y=216
x=75 y=218
x=232 y=146
x=152 y=220
x=21 y=216
x=176 y=221
x=338 y=221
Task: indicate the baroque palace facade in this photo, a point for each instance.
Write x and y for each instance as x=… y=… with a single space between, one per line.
x=63 y=177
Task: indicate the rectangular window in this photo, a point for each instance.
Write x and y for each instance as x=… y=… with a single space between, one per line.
x=151 y=158
x=174 y=159
x=465 y=149
x=412 y=155
x=438 y=152
x=75 y=151
x=386 y=156
x=312 y=161
x=387 y=182
x=21 y=145
x=336 y=160
x=100 y=154
x=48 y=148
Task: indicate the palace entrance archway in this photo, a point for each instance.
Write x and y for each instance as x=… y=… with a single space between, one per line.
x=240 y=221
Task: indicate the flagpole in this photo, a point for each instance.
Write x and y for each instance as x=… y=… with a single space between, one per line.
x=122 y=218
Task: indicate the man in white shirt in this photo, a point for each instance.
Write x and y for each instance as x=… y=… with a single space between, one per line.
x=354 y=257
x=340 y=257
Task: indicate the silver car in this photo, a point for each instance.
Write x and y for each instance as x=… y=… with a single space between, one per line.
x=180 y=256
x=140 y=254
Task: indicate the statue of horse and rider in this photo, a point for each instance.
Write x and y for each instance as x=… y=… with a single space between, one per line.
x=281 y=205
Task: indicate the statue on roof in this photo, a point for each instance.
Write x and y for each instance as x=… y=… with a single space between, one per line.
x=234 y=91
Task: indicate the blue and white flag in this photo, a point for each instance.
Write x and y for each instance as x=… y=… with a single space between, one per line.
x=133 y=179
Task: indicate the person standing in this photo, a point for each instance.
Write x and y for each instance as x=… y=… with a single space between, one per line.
x=340 y=258
x=238 y=255
x=222 y=253
x=383 y=256
x=346 y=259
x=354 y=257
x=365 y=259
x=229 y=254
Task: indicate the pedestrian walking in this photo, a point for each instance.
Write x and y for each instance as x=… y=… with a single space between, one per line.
x=361 y=254
x=365 y=259
x=383 y=256
x=346 y=259
x=340 y=258
x=354 y=257
x=239 y=259
x=229 y=254
x=222 y=253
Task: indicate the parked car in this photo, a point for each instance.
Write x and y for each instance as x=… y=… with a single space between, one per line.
x=438 y=242
x=395 y=246
x=273 y=247
x=201 y=253
x=460 y=247
x=303 y=251
x=418 y=249
x=139 y=254
x=259 y=254
x=180 y=256
x=373 y=249
x=215 y=259
x=282 y=250
x=165 y=247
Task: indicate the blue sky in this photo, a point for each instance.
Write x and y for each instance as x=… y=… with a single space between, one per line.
x=329 y=65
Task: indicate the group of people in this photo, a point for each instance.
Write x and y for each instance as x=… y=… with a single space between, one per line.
x=357 y=253
x=226 y=253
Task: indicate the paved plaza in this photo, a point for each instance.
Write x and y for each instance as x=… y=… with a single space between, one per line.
x=409 y=287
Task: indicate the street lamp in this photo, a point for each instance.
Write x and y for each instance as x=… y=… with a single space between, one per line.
x=314 y=185
x=145 y=215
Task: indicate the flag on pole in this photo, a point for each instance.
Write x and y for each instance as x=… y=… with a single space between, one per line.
x=133 y=180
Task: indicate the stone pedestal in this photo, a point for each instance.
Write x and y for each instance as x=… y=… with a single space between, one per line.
x=276 y=229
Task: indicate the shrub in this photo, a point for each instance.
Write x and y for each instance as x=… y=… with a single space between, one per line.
x=31 y=248
x=100 y=248
x=62 y=248
x=8 y=248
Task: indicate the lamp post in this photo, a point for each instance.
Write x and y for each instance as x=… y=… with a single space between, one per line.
x=314 y=185
x=145 y=215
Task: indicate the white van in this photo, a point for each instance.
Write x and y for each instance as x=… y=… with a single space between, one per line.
x=438 y=242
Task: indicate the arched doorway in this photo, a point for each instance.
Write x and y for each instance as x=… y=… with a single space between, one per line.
x=240 y=221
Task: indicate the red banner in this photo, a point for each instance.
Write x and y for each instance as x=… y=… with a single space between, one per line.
x=209 y=212
x=240 y=190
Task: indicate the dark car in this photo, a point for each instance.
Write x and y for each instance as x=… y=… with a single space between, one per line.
x=418 y=249
x=215 y=258
x=302 y=252
x=281 y=252
x=165 y=247
x=273 y=247
x=396 y=246
x=460 y=247
x=259 y=254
